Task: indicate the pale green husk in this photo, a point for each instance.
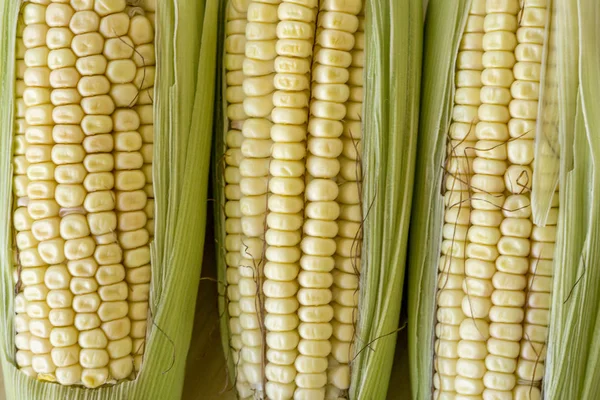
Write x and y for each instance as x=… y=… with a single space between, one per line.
x=184 y=99
x=393 y=49
x=572 y=367
x=444 y=25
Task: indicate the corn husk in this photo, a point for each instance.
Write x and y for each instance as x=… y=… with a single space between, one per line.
x=393 y=34
x=444 y=25
x=184 y=94
x=574 y=337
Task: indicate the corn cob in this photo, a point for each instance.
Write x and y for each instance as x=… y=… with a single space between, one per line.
x=77 y=192
x=292 y=294
x=492 y=308
x=288 y=309
x=81 y=219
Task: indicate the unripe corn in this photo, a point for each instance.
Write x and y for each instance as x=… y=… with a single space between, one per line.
x=83 y=189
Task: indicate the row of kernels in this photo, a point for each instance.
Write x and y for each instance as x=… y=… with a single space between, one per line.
x=293 y=47
x=132 y=234
x=460 y=155
x=257 y=91
x=498 y=43
x=23 y=238
x=96 y=186
x=460 y=148
x=144 y=110
x=146 y=129
x=523 y=107
x=133 y=224
x=20 y=163
x=22 y=222
x=480 y=235
x=250 y=375
x=523 y=110
x=508 y=296
x=347 y=271
x=235 y=31
x=20 y=183
x=249 y=320
x=525 y=92
x=232 y=260
x=530 y=367
x=451 y=324
x=320 y=245
x=38 y=114
x=137 y=275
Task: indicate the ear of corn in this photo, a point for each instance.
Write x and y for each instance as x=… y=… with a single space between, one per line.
x=506 y=312
x=176 y=116
x=316 y=142
x=299 y=126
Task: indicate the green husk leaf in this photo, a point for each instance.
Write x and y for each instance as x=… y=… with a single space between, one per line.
x=574 y=332
x=184 y=99
x=444 y=26
x=547 y=146
x=393 y=37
